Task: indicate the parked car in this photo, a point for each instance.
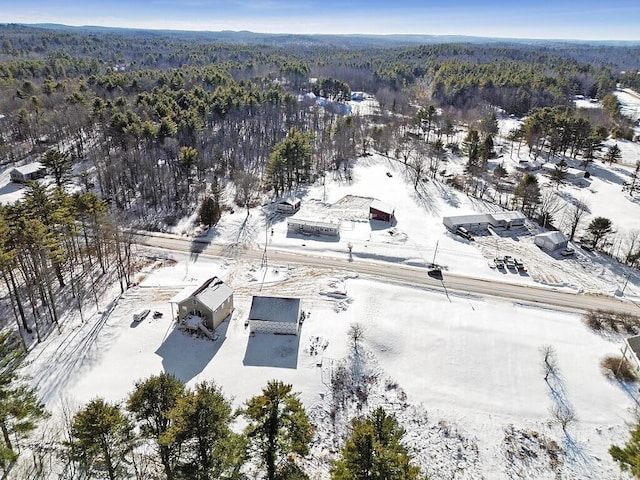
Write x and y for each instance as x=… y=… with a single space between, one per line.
x=157 y=314
x=435 y=273
x=586 y=247
x=567 y=252
x=464 y=233
x=141 y=315
x=389 y=174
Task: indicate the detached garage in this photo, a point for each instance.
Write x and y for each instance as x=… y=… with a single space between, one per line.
x=551 y=241
x=274 y=315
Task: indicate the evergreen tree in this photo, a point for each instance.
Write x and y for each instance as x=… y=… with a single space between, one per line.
x=59 y=165
x=20 y=409
x=151 y=403
x=559 y=173
x=628 y=456
x=598 y=229
x=200 y=424
x=613 y=155
x=278 y=425
x=101 y=438
x=374 y=451
x=528 y=192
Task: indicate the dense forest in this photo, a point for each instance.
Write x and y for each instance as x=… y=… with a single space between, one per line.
x=140 y=129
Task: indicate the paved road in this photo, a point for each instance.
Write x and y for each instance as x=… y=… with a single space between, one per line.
x=402 y=274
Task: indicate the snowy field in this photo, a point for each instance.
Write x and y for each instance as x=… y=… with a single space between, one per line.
x=462 y=373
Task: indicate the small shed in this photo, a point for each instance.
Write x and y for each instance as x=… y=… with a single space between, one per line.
x=381 y=211
x=507 y=219
x=288 y=205
x=28 y=172
x=551 y=241
x=275 y=315
x=473 y=221
x=301 y=225
x=212 y=301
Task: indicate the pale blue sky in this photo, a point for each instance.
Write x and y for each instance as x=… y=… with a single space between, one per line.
x=562 y=19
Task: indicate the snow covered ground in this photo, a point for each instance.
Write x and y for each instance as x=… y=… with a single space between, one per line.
x=462 y=373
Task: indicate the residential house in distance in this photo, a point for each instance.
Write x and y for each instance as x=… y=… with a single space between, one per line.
x=305 y=226
x=482 y=221
x=551 y=241
x=28 y=172
x=275 y=315
x=288 y=205
x=212 y=302
x=381 y=211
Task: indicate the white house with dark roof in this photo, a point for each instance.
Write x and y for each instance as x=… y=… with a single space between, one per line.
x=275 y=315
x=212 y=302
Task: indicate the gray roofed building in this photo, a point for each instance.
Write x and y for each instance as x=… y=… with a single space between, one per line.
x=212 y=301
x=275 y=315
x=25 y=173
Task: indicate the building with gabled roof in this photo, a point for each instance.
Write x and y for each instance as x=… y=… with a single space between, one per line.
x=381 y=211
x=288 y=205
x=28 y=172
x=212 y=302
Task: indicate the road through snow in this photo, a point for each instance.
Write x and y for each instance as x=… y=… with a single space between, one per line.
x=401 y=274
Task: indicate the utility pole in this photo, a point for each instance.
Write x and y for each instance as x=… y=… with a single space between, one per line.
x=433 y=262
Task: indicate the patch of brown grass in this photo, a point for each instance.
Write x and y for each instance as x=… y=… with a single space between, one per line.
x=615 y=366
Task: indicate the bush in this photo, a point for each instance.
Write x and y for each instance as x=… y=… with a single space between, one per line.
x=615 y=366
x=611 y=322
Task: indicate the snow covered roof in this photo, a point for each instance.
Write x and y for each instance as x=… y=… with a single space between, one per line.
x=509 y=216
x=555 y=237
x=381 y=206
x=29 y=168
x=275 y=309
x=303 y=221
x=293 y=201
x=470 y=218
x=211 y=293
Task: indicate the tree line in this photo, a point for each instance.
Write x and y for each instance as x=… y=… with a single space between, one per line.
x=164 y=429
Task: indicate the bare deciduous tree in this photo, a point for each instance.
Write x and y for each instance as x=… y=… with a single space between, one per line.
x=356 y=333
x=574 y=215
x=549 y=361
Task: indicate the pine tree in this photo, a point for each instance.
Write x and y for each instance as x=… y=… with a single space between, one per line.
x=101 y=439
x=20 y=408
x=151 y=404
x=374 y=451
x=200 y=424
x=613 y=155
x=559 y=173
x=598 y=229
x=628 y=456
x=59 y=165
x=278 y=425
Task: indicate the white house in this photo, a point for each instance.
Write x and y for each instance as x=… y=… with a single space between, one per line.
x=481 y=221
x=301 y=225
x=275 y=315
x=25 y=173
x=472 y=221
x=551 y=241
x=212 y=302
x=507 y=219
x=288 y=205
